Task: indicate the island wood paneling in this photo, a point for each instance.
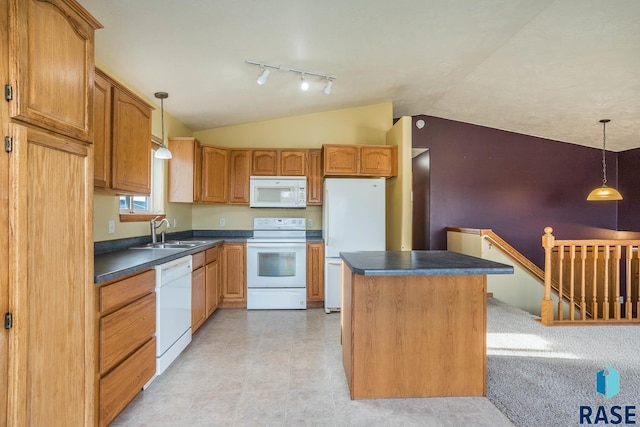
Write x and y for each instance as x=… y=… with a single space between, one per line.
x=414 y=336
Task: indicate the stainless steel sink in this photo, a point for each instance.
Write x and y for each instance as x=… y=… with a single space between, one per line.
x=172 y=244
x=187 y=242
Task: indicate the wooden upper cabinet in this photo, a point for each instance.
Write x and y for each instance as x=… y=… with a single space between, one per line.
x=264 y=162
x=215 y=174
x=293 y=162
x=122 y=138
x=185 y=170
x=379 y=160
x=360 y=160
x=131 y=139
x=239 y=172
x=102 y=131
x=314 y=177
x=340 y=160
x=51 y=65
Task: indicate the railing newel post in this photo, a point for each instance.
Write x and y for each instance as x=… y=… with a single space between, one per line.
x=546 y=312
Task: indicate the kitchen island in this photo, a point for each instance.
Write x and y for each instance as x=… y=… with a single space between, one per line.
x=414 y=323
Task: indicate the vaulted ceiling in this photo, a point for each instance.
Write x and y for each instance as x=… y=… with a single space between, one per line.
x=548 y=68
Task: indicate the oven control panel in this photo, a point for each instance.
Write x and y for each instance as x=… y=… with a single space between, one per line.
x=279 y=223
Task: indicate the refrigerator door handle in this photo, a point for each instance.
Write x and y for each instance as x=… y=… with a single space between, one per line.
x=334 y=262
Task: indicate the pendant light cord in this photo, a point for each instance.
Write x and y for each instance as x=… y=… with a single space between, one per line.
x=162 y=110
x=604 y=163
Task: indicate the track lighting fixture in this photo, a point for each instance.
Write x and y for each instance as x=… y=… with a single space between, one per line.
x=327 y=87
x=304 y=84
x=262 y=78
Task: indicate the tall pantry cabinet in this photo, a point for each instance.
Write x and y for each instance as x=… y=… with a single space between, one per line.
x=48 y=361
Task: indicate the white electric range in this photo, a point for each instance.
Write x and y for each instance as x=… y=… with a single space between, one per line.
x=277 y=264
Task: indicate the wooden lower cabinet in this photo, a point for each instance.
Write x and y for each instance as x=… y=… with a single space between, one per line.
x=234 y=281
x=48 y=371
x=212 y=280
x=205 y=286
x=127 y=344
x=198 y=290
x=121 y=385
x=315 y=274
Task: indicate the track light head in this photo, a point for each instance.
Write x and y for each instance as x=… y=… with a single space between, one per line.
x=262 y=78
x=304 y=85
x=327 y=87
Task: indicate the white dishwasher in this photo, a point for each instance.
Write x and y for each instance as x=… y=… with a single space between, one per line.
x=173 y=310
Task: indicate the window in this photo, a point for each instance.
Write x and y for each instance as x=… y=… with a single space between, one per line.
x=139 y=208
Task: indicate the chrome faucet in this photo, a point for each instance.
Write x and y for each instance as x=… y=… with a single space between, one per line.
x=155 y=226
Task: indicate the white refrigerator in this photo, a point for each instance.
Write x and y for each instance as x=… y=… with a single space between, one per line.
x=353 y=219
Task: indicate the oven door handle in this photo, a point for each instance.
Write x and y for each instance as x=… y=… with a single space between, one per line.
x=275 y=245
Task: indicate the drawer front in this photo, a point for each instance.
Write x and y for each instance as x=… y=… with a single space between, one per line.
x=197 y=260
x=122 y=384
x=125 y=330
x=212 y=254
x=124 y=291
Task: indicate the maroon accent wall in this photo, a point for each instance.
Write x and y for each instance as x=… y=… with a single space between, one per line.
x=629 y=186
x=514 y=184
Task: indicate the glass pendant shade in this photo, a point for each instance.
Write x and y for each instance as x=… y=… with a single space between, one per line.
x=604 y=193
x=163 y=153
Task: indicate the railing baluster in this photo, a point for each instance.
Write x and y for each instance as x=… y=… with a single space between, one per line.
x=605 y=283
x=560 y=275
x=572 y=306
x=583 y=284
x=637 y=284
x=628 y=305
x=616 y=305
x=594 y=284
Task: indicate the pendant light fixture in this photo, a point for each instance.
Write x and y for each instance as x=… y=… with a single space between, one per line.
x=162 y=152
x=604 y=192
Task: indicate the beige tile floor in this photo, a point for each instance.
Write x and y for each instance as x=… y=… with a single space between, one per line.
x=280 y=368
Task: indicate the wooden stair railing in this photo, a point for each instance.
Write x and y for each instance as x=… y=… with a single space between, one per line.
x=591 y=270
x=494 y=239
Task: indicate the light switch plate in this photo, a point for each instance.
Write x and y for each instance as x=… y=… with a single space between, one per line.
x=112 y=226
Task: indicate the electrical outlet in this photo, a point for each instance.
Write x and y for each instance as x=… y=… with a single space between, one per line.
x=175 y=222
x=112 y=226
x=310 y=222
x=221 y=222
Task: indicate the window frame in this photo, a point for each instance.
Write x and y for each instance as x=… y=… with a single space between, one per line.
x=133 y=215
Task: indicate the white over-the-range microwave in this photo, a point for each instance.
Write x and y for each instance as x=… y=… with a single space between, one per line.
x=278 y=192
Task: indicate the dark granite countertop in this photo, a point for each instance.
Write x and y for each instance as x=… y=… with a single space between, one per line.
x=113 y=265
x=113 y=259
x=420 y=263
